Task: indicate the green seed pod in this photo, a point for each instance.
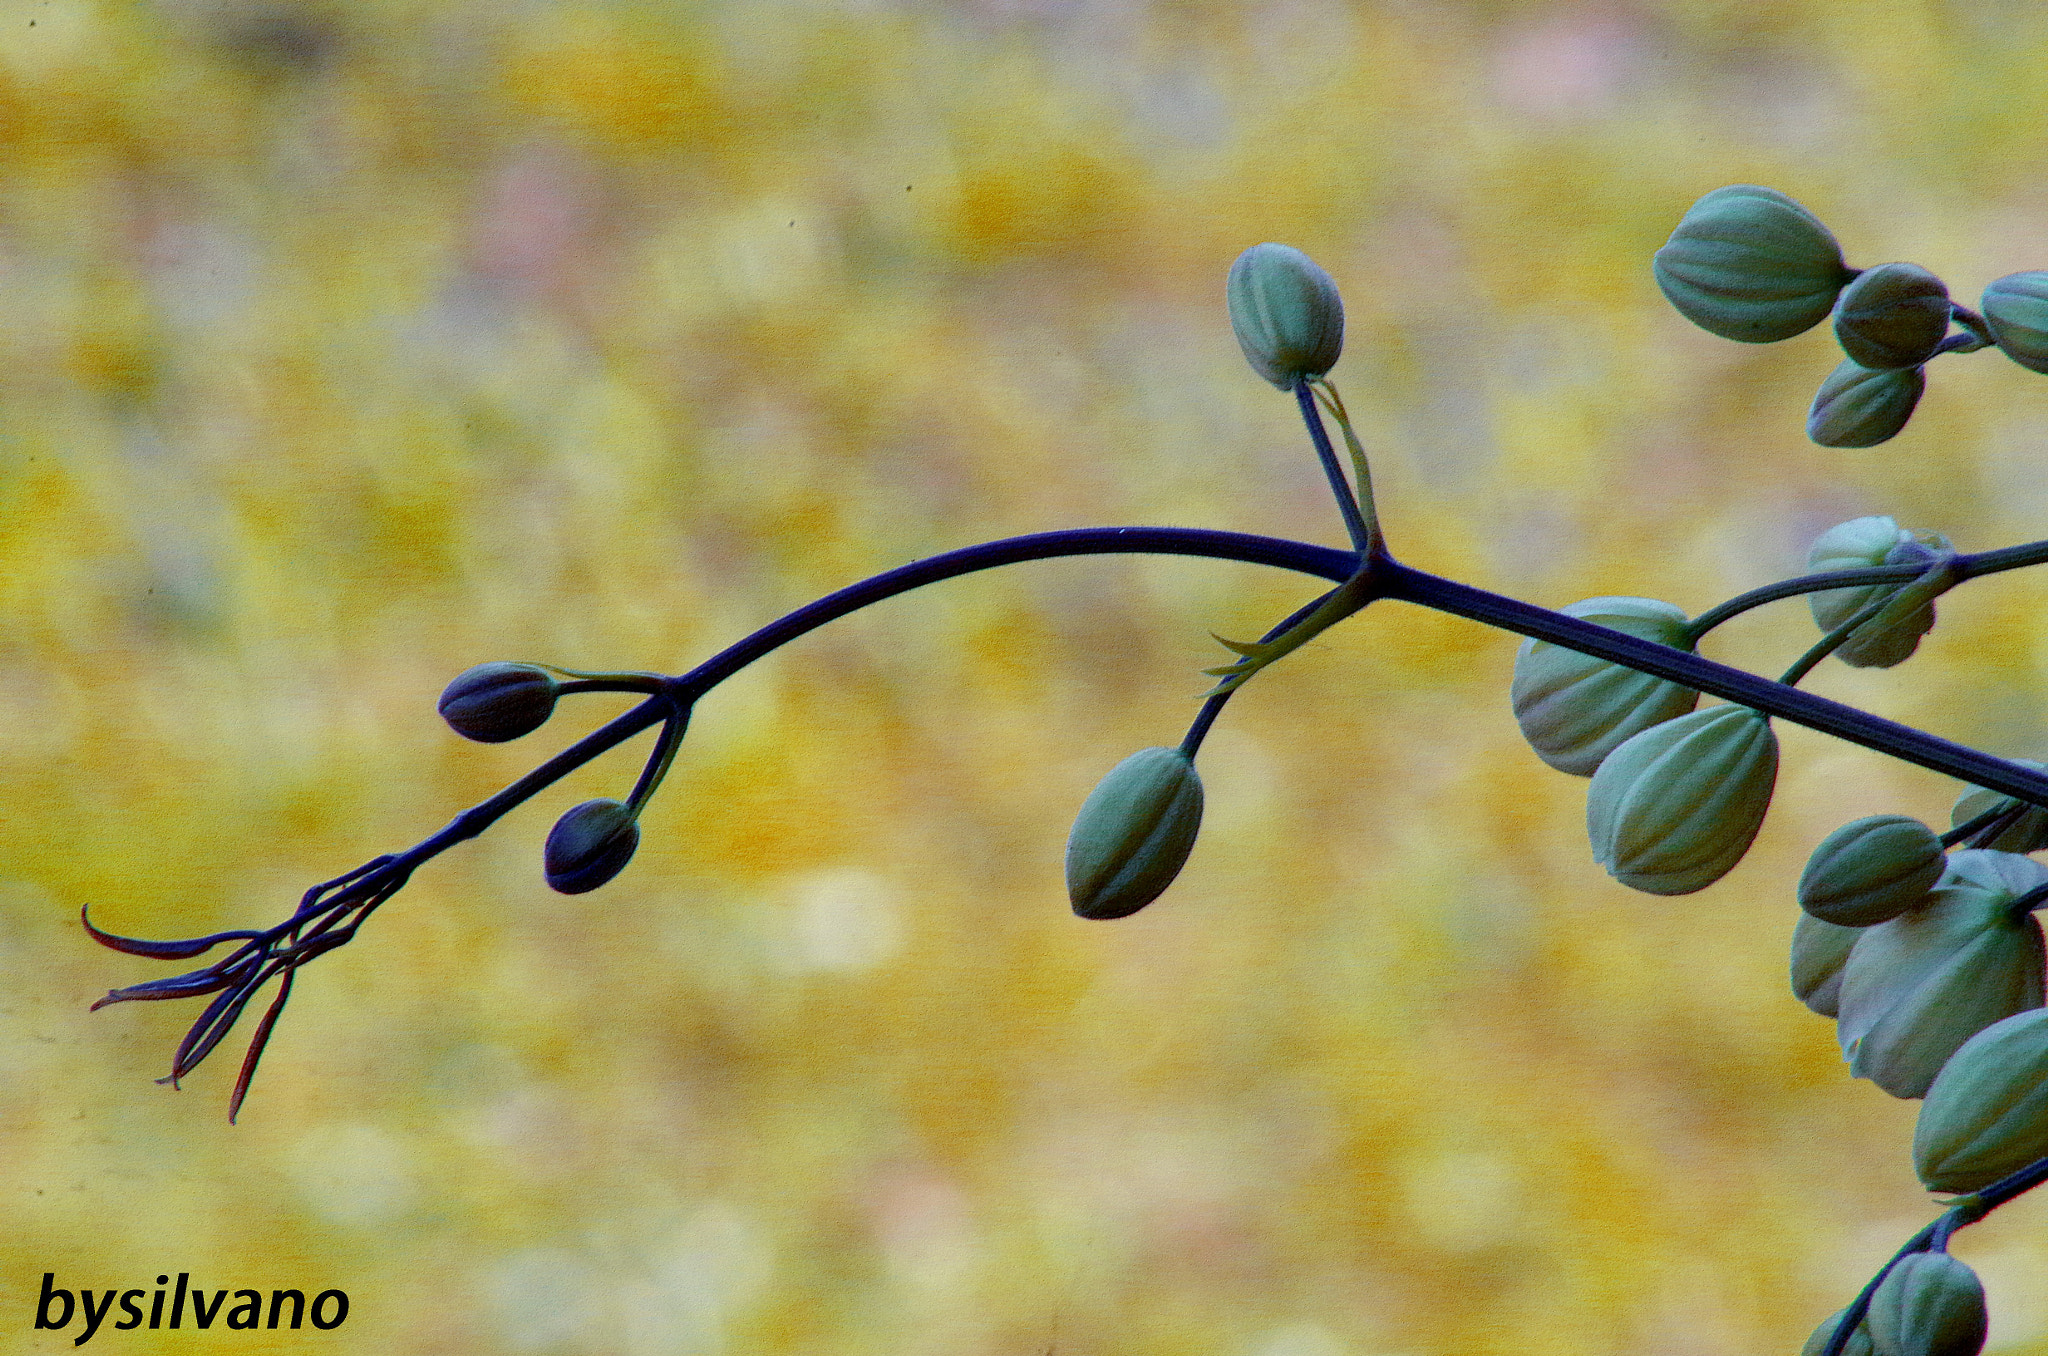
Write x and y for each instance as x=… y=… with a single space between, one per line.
x=1894 y=315
x=1858 y=1344
x=492 y=703
x=1575 y=709
x=1928 y=1304
x=589 y=845
x=2027 y=833
x=1987 y=1114
x=1749 y=263
x=1819 y=951
x=1286 y=312
x=1858 y=406
x=1675 y=807
x=1862 y=543
x=1917 y=987
x=2016 y=312
x=1871 y=870
x=1134 y=833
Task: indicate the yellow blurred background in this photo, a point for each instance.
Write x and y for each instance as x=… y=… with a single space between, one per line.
x=347 y=345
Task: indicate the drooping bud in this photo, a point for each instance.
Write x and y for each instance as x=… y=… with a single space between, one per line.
x=2028 y=831
x=1862 y=543
x=1286 y=312
x=1860 y=406
x=1987 y=1114
x=1819 y=951
x=1674 y=808
x=1574 y=709
x=589 y=845
x=1857 y=1345
x=1928 y=1304
x=492 y=703
x=1917 y=987
x=1134 y=833
x=2016 y=312
x=1894 y=315
x=1871 y=870
x=1749 y=263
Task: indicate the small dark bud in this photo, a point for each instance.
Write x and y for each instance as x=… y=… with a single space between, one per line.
x=1894 y=315
x=492 y=703
x=589 y=845
x=1860 y=406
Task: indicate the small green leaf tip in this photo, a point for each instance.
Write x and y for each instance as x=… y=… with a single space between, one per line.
x=1134 y=833
x=1749 y=263
x=492 y=703
x=1286 y=312
x=589 y=845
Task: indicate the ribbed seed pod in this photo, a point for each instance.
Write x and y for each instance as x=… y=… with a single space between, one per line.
x=1894 y=315
x=1858 y=1344
x=1871 y=870
x=2016 y=312
x=1819 y=951
x=1574 y=709
x=1286 y=312
x=1862 y=543
x=1860 y=406
x=1987 y=1114
x=2027 y=833
x=492 y=703
x=1749 y=263
x=1674 y=808
x=589 y=845
x=1134 y=833
x=1916 y=988
x=1928 y=1304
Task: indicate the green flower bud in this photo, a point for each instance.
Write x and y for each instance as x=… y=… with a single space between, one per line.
x=1286 y=312
x=1674 y=808
x=2016 y=312
x=1858 y=1344
x=1749 y=263
x=1871 y=870
x=1917 y=987
x=1134 y=833
x=1928 y=1304
x=1575 y=709
x=1858 y=406
x=1894 y=315
x=2027 y=833
x=1862 y=543
x=1987 y=1114
x=589 y=845
x=492 y=703
x=1819 y=951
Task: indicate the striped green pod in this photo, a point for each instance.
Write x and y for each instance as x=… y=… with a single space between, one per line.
x=1675 y=807
x=1749 y=263
x=1870 y=870
x=1986 y=1115
x=1574 y=709
x=1134 y=833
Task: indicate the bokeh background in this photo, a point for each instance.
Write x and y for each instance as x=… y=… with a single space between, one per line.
x=347 y=345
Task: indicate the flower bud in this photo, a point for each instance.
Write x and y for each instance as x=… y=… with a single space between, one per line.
x=1857 y=1345
x=2016 y=312
x=1862 y=543
x=1134 y=833
x=1917 y=987
x=1928 y=1304
x=2028 y=832
x=492 y=703
x=1859 y=406
x=1674 y=808
x=1575 y=709
x=1987 y=1114
x=1749 y=263
x=1819 y=951
x=1871 y=870
x=1286 y=312
x=589 y=845
x=1894 y=315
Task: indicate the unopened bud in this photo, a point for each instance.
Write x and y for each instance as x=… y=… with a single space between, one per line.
x=1857 y=1345
x=1134 y=833
x=1819 y=951
x=1862 y=543
x=1286 y=312
x=1860 y=406
x=1574 y=709
x=1987 y=1114
x=1928 y=1304
x=1894 y=315
x=1871 y=870
x=1749 y=263
x=492 y=703
x=1675 y=808
x=2028 y=831
x=2016 y=312
x=589 y=845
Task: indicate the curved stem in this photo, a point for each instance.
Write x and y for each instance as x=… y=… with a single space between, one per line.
x=1967 y=566
x=1191 y=742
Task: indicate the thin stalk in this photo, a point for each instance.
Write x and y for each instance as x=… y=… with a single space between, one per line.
x=1347 y=502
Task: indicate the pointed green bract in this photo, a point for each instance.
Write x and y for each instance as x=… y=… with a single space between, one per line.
x=1673 y=809
x=1286 y=312
x=1749 y=263
x=1860 y=406
x=1894 y=315
x=1134 y=833
x=1871 y=870
x=1575 y=709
